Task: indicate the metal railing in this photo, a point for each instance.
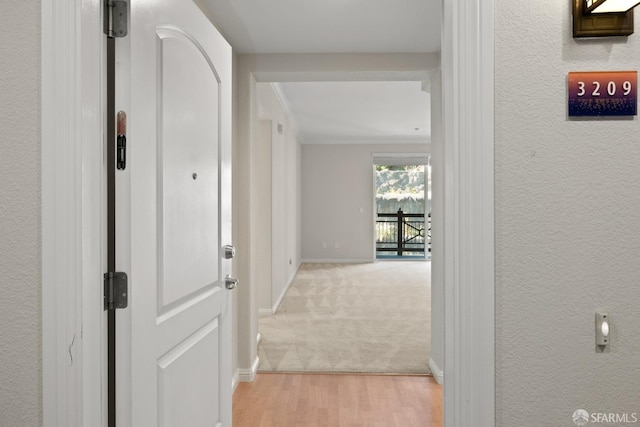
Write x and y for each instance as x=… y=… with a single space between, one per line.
x=402 y=233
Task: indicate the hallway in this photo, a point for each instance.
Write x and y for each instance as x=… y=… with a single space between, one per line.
x=314 y=400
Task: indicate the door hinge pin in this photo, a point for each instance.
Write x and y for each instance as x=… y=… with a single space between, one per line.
x=110 y=18
x=115 y=18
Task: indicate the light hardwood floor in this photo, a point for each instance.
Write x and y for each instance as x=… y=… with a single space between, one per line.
x=338 y=400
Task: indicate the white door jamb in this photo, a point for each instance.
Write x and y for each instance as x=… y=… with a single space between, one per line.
x=72 y=218
x=468 y=119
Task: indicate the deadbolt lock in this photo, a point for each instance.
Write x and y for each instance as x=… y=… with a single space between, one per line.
x=229 y=251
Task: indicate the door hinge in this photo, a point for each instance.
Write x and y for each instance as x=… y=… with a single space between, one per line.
x=116 y=294
x=116 y=18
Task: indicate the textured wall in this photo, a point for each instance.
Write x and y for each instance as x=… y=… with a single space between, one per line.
x=567 y=225
x=20 y=331
x=337 y=198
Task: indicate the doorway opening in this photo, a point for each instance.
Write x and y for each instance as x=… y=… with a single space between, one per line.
x=334 y=173
x=403 y=210
x=325 y=304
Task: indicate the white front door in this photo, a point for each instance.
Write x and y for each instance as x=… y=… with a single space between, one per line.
x=179 y=161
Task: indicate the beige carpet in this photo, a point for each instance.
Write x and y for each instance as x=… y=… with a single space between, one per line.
x=352 y=318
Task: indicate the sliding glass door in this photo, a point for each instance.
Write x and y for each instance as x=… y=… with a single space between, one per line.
x=403 y=207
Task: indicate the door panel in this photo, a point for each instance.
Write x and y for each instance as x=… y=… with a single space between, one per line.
x=176 y=377
x=180 y=214
x=187 y=184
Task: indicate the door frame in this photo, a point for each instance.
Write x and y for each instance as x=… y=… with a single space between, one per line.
x=73 y=223
x=252 y=69
x=72 y=82
x=467 y=61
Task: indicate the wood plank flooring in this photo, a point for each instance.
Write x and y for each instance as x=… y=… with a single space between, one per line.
x=338 y=400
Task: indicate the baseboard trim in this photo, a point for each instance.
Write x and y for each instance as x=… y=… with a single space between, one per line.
x=438 y=374
x=264 y=312
x=337 y=261
x=275 y=307
x=235 y=380
x=248 y=375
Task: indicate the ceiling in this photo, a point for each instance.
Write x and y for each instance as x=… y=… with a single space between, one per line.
x=328 y=26
x=353 y=112
x=339 y=111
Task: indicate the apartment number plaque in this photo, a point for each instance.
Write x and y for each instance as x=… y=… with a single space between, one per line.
x=603 y=93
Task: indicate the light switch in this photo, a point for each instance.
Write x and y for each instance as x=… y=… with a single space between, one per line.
x=603 y=329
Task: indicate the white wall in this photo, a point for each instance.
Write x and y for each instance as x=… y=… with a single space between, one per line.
x=264 y=195
x=437 y=228
x=245 y=134
x=567 y=228
x=337 y=199
x=278 y=187
x=235 y=267
x=20 y=207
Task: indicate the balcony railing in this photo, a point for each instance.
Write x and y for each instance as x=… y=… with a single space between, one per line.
x=402 y=234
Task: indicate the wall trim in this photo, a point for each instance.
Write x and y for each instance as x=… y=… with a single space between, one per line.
x=71 y=140
x=469 y=284
x=61 y=198
x=404 y=158
x=438 y=374
x=337 y=261
x=264 y=312
x=249 y=375
x=235 y=380
x=422 y=141
x=276 y=305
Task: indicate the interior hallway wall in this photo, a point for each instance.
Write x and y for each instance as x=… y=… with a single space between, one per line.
x=437 y=229
x=566 y=214
x=263 y=195
x=246 y=132
x=20 y=214
x=278 y=193
x=337 y=199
